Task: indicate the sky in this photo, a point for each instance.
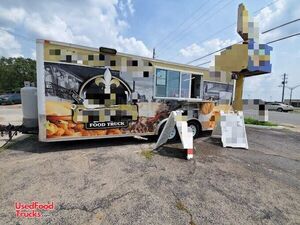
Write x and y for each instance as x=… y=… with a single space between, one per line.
x=179 y=31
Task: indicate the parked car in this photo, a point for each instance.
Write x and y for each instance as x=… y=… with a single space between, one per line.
x=10 y=99
x=278 y=106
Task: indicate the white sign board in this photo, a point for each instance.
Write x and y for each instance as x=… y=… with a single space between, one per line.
x=186 y=135
x=169 y=126
x=233 y=130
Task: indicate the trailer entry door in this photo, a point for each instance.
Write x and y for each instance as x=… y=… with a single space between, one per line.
x=196 y=83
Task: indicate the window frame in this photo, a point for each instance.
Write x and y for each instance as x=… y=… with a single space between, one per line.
x=135 y=62
x=101 y=57
x=113 y=61
x=180 y=79
x=90 y=57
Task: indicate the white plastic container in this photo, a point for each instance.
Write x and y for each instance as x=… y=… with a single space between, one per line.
x=29 y=107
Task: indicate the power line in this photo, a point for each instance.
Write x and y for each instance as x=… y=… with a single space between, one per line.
x=227 y=27
x=282 y=25
x=202 y=21
x=182 y=23
x=269 y=4
x=207 y=38
x=184 y=31
x=204 y=63
x=209 y=54
x=280 y=39
x=283 y=38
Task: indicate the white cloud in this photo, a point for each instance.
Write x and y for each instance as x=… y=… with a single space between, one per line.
x=9 y=46
x=130 y=6
x=266 y=86
x=93 y=23
x=54 y=29
x=267 y=18
x=133 y=46
x=263 y=86
x=12 y=14
x=282 y=11
x=126 y=6
x=194 y=50
x=33 y=54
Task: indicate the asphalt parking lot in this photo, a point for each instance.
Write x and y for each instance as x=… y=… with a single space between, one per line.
x=117 y=181
x=285 y=117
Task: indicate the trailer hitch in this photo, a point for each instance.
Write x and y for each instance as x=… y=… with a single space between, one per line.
x=12 y=130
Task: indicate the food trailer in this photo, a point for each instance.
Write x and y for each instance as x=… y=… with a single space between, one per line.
x=89 y=93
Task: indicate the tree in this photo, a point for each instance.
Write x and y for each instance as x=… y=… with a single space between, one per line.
x=14 y=71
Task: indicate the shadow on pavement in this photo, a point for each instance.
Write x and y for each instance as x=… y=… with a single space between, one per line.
x=31 y=144
x=172 y=152
x=214 y=141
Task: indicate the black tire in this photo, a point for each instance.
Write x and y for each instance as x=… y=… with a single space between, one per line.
x=280 y=109
x=195 y=127
x=174 y=137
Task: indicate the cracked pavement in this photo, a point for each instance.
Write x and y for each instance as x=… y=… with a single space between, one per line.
x=111 y=182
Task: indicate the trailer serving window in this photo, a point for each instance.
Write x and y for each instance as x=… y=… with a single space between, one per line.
x=167 y=83
x=175 y=84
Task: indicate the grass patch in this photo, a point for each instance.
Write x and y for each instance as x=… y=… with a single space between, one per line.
x=148 y=154
x=181 y=206
x=249 y=120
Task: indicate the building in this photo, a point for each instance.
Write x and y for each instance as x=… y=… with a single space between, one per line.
x=294 y=102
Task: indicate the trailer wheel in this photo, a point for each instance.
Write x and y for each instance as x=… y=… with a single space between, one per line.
x=173 y=135
x=195 y=127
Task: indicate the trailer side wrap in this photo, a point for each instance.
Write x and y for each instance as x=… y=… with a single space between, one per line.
x=86 y=94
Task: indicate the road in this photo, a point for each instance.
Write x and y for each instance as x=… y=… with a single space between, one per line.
x=11 y=114
x=112 y=182
x=287 y=118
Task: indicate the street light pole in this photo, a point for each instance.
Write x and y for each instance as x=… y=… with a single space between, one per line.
x=291 y=93
x=291 y=90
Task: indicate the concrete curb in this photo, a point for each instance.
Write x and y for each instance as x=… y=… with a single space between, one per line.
x=265 y=127
x=279 y=127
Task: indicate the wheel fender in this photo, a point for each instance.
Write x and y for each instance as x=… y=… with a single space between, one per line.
x=159 y=126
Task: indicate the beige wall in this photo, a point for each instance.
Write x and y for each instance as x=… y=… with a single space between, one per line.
x=80 y=56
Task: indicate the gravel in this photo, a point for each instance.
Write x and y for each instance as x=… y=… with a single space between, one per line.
x=111 y=182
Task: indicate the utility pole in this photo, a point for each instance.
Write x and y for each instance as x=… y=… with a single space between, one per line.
x=153 y=53
x=284 y=82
